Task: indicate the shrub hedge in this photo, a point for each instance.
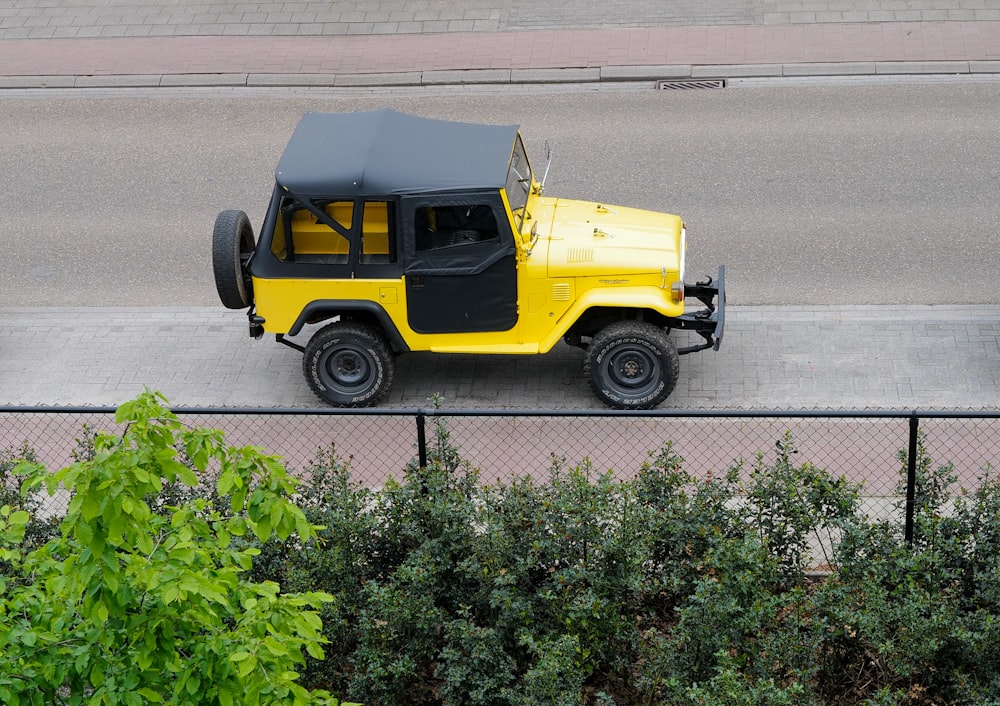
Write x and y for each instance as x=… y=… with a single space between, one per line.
x=664 y=588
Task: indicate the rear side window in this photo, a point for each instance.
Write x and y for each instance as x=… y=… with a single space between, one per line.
x=301 y=236
x=332 y=238
x=377 y=234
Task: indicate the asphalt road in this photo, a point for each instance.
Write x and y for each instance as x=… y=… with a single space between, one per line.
x=823 y=195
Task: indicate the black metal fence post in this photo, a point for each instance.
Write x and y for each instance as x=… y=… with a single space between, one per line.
x=421 y=439
x=911 y=478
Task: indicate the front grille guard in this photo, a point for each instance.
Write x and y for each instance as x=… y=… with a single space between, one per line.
x=710 y=321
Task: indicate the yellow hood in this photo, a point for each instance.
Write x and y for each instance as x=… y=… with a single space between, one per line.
x=590 y=238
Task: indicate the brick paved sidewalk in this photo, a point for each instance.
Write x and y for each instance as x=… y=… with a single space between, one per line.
x=977 y=43
x=889 y=357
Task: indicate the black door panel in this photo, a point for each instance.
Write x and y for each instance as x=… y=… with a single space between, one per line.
x=461 y=272
x=457 y=303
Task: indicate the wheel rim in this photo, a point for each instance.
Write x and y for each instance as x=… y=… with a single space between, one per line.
x=634 y=372
x=347 y=370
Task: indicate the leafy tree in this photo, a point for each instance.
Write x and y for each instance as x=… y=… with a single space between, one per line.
x=131 y=604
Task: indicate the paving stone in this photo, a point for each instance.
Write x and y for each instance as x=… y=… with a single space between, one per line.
x=772 y=357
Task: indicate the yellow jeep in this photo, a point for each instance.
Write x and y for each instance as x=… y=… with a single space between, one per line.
x=413 y=234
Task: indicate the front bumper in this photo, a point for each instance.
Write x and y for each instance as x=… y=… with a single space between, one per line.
x=710 y=321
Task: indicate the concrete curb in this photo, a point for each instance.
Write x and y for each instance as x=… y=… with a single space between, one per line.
x=604 y=74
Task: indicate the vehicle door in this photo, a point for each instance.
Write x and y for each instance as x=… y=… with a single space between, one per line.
x=461 y=264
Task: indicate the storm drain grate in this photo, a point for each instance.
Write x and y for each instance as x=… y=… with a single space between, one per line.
x=686 y=84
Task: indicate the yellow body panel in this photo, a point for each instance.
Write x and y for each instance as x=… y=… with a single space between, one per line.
x=281 y=302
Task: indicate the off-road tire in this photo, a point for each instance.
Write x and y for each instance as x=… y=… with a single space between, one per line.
x=232 y=245
x=349 y=364
x=631 y=365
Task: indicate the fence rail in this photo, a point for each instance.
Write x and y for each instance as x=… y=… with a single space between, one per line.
x=874 y=448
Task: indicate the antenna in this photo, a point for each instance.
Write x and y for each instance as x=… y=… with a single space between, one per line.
x=548 y=157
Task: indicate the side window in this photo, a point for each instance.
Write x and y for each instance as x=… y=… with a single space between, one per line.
x=445 y=227
x=378 y=244
x=300 y=236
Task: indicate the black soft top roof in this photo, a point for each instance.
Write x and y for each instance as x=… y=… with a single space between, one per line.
x=384 y=152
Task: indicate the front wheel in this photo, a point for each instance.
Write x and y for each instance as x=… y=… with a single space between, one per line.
x=631 y=365
x=349 y=365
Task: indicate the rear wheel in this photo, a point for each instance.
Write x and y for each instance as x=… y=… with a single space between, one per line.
x=232 y=246
x=349 y=364
x=631 y=365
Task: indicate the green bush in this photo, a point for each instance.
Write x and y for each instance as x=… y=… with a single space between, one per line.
x=572 y=585
x=918 y=621
x=38 y=528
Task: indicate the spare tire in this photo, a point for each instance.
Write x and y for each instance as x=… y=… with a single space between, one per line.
x=232 y=245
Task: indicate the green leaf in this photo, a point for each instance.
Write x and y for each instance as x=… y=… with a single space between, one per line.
x=225 y=483
x=238 y=500
x=275 y=647
x=262 y=529
x=182 y=554
x=84 y=533
x=116 y=526
x=19 y=517
x=171 y=593
x=89 y=507
x=314 y=650
x=246 y=666
x=236 y=526
x=144 y=543
x=150 y=696
x=192 y=685
x=277 y=513
x=224 y=537
x=187 y=476
x=111 y=581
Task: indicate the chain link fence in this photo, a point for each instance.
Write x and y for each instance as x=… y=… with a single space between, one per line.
x=870 y=448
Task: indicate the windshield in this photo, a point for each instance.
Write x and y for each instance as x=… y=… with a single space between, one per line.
x=518 y=182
